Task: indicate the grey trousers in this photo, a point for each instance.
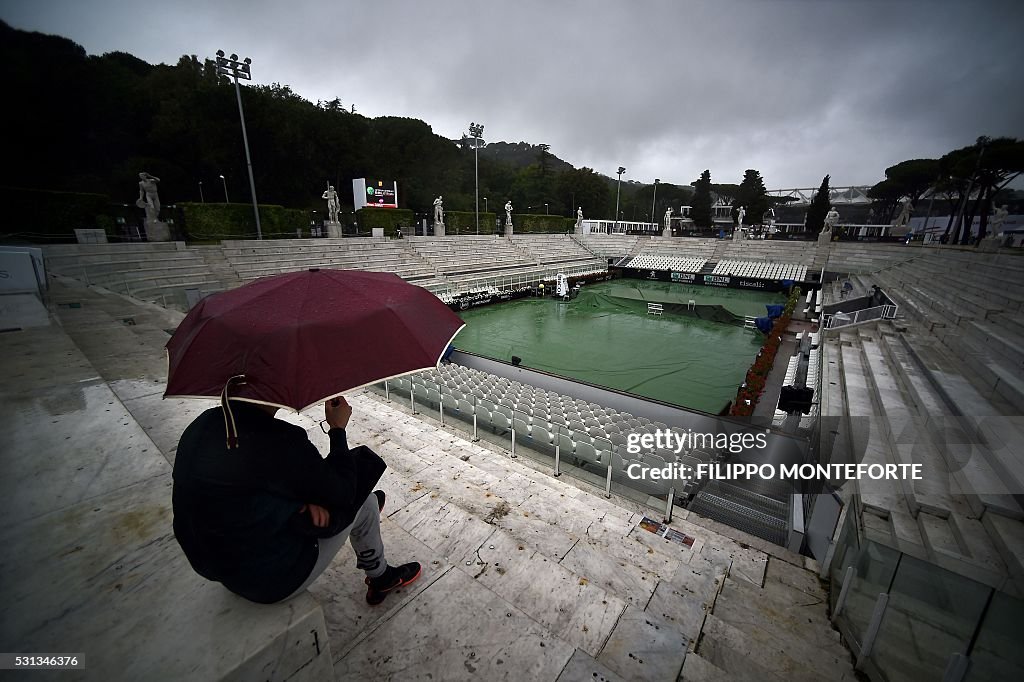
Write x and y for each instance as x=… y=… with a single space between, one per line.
x=364 y=533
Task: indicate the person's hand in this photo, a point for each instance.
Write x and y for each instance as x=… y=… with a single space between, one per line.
x=320 y=516
x=337 y=412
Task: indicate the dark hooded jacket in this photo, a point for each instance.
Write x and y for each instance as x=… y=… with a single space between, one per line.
x=236 y=511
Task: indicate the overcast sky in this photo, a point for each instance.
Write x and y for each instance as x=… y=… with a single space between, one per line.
x=666 y=88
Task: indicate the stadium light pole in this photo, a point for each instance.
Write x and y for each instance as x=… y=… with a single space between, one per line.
x=476 y=130
x=202 y=199
x=485 y=204
x=225 y=182
x=654 y=200
x=618 y=186
x=230 y=66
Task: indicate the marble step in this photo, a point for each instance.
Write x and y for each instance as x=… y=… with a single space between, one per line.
x=584 y=594
x=699 y=669
x=790 y=606
x=752 y=657
x=769 y=628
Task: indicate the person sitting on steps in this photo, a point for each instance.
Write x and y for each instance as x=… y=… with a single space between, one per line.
x=266 y=517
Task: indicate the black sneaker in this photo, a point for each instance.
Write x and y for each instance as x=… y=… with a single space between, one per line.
x=394 y=577
x=380 y=499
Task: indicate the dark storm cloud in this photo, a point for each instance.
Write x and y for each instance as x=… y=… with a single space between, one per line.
x=666 y=88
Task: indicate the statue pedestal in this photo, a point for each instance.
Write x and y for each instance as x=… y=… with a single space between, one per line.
x=157 y=231
x=738 y=235
x=508 y=229
x=667 y=232
x=825 y=237
x=438 y=228
x=990 y=244
x=333 y=229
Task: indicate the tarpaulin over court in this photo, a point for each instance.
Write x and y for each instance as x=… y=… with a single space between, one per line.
x=606 y=337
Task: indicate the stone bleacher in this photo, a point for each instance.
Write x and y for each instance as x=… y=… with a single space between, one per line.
x=610 y=245
x=955 y=352
x=769 y=250
x=154 y=272
x=971 y=306
x=253 y=259
x=554 y=248
x=964 y=515
x=470 y=254
x=864 y=258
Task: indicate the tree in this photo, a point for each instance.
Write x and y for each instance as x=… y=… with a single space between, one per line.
x=988 y=166
x=585 y=189
x=542 y=157
x=906 y=180
x=701 y=212
x=819 y=207
x=885 y=195
x=753 y=196
x=982 y=169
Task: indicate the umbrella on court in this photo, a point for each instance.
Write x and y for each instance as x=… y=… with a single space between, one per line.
x=301 y=338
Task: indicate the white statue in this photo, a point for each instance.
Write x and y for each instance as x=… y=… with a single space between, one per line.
x=439 y=211
x=668 y=218
x=331 y=195
x=740 y=215
x=904 y=217
x=148 y=197
x=579 y=219
x=998 y=219
x=508 y=213
x=831 y=219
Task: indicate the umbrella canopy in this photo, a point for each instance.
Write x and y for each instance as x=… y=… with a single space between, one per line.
x=298 y=339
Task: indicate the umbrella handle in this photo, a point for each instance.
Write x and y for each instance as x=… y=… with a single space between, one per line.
x=230 y=429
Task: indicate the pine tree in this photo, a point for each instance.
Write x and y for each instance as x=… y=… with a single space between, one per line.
x=701 y=211
x=819 y=208
x=753 y=196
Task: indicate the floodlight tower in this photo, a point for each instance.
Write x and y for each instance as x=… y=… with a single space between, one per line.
x=476 y=130
x=230 y=66
x=618 y=186
x=654 y=200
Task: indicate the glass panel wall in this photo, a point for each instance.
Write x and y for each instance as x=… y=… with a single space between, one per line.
x=931 y=615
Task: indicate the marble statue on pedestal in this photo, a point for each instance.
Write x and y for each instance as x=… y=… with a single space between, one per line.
x=998 y=218
x=667 y=232
x=331 y=195
x=904 y=217
x=149 y=201
x=439 y=211
x=508 y=218
x=579 y=220
x=740 y=215
x=831 y=219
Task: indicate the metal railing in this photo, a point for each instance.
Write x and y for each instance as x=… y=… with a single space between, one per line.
x=881 y=312
x=549 y=440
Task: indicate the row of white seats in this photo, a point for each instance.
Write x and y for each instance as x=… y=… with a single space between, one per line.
x=761 y=269
x=575 y=447
x=581 y=420
x=657 y=261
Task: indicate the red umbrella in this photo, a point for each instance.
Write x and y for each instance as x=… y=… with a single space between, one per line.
x=298 y=339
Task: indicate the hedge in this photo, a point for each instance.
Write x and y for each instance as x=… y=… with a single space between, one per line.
x=45 y=215
x=213 y=221
x=527 y=223
x=388 y=218
x=750 y=392
x=464 y=222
